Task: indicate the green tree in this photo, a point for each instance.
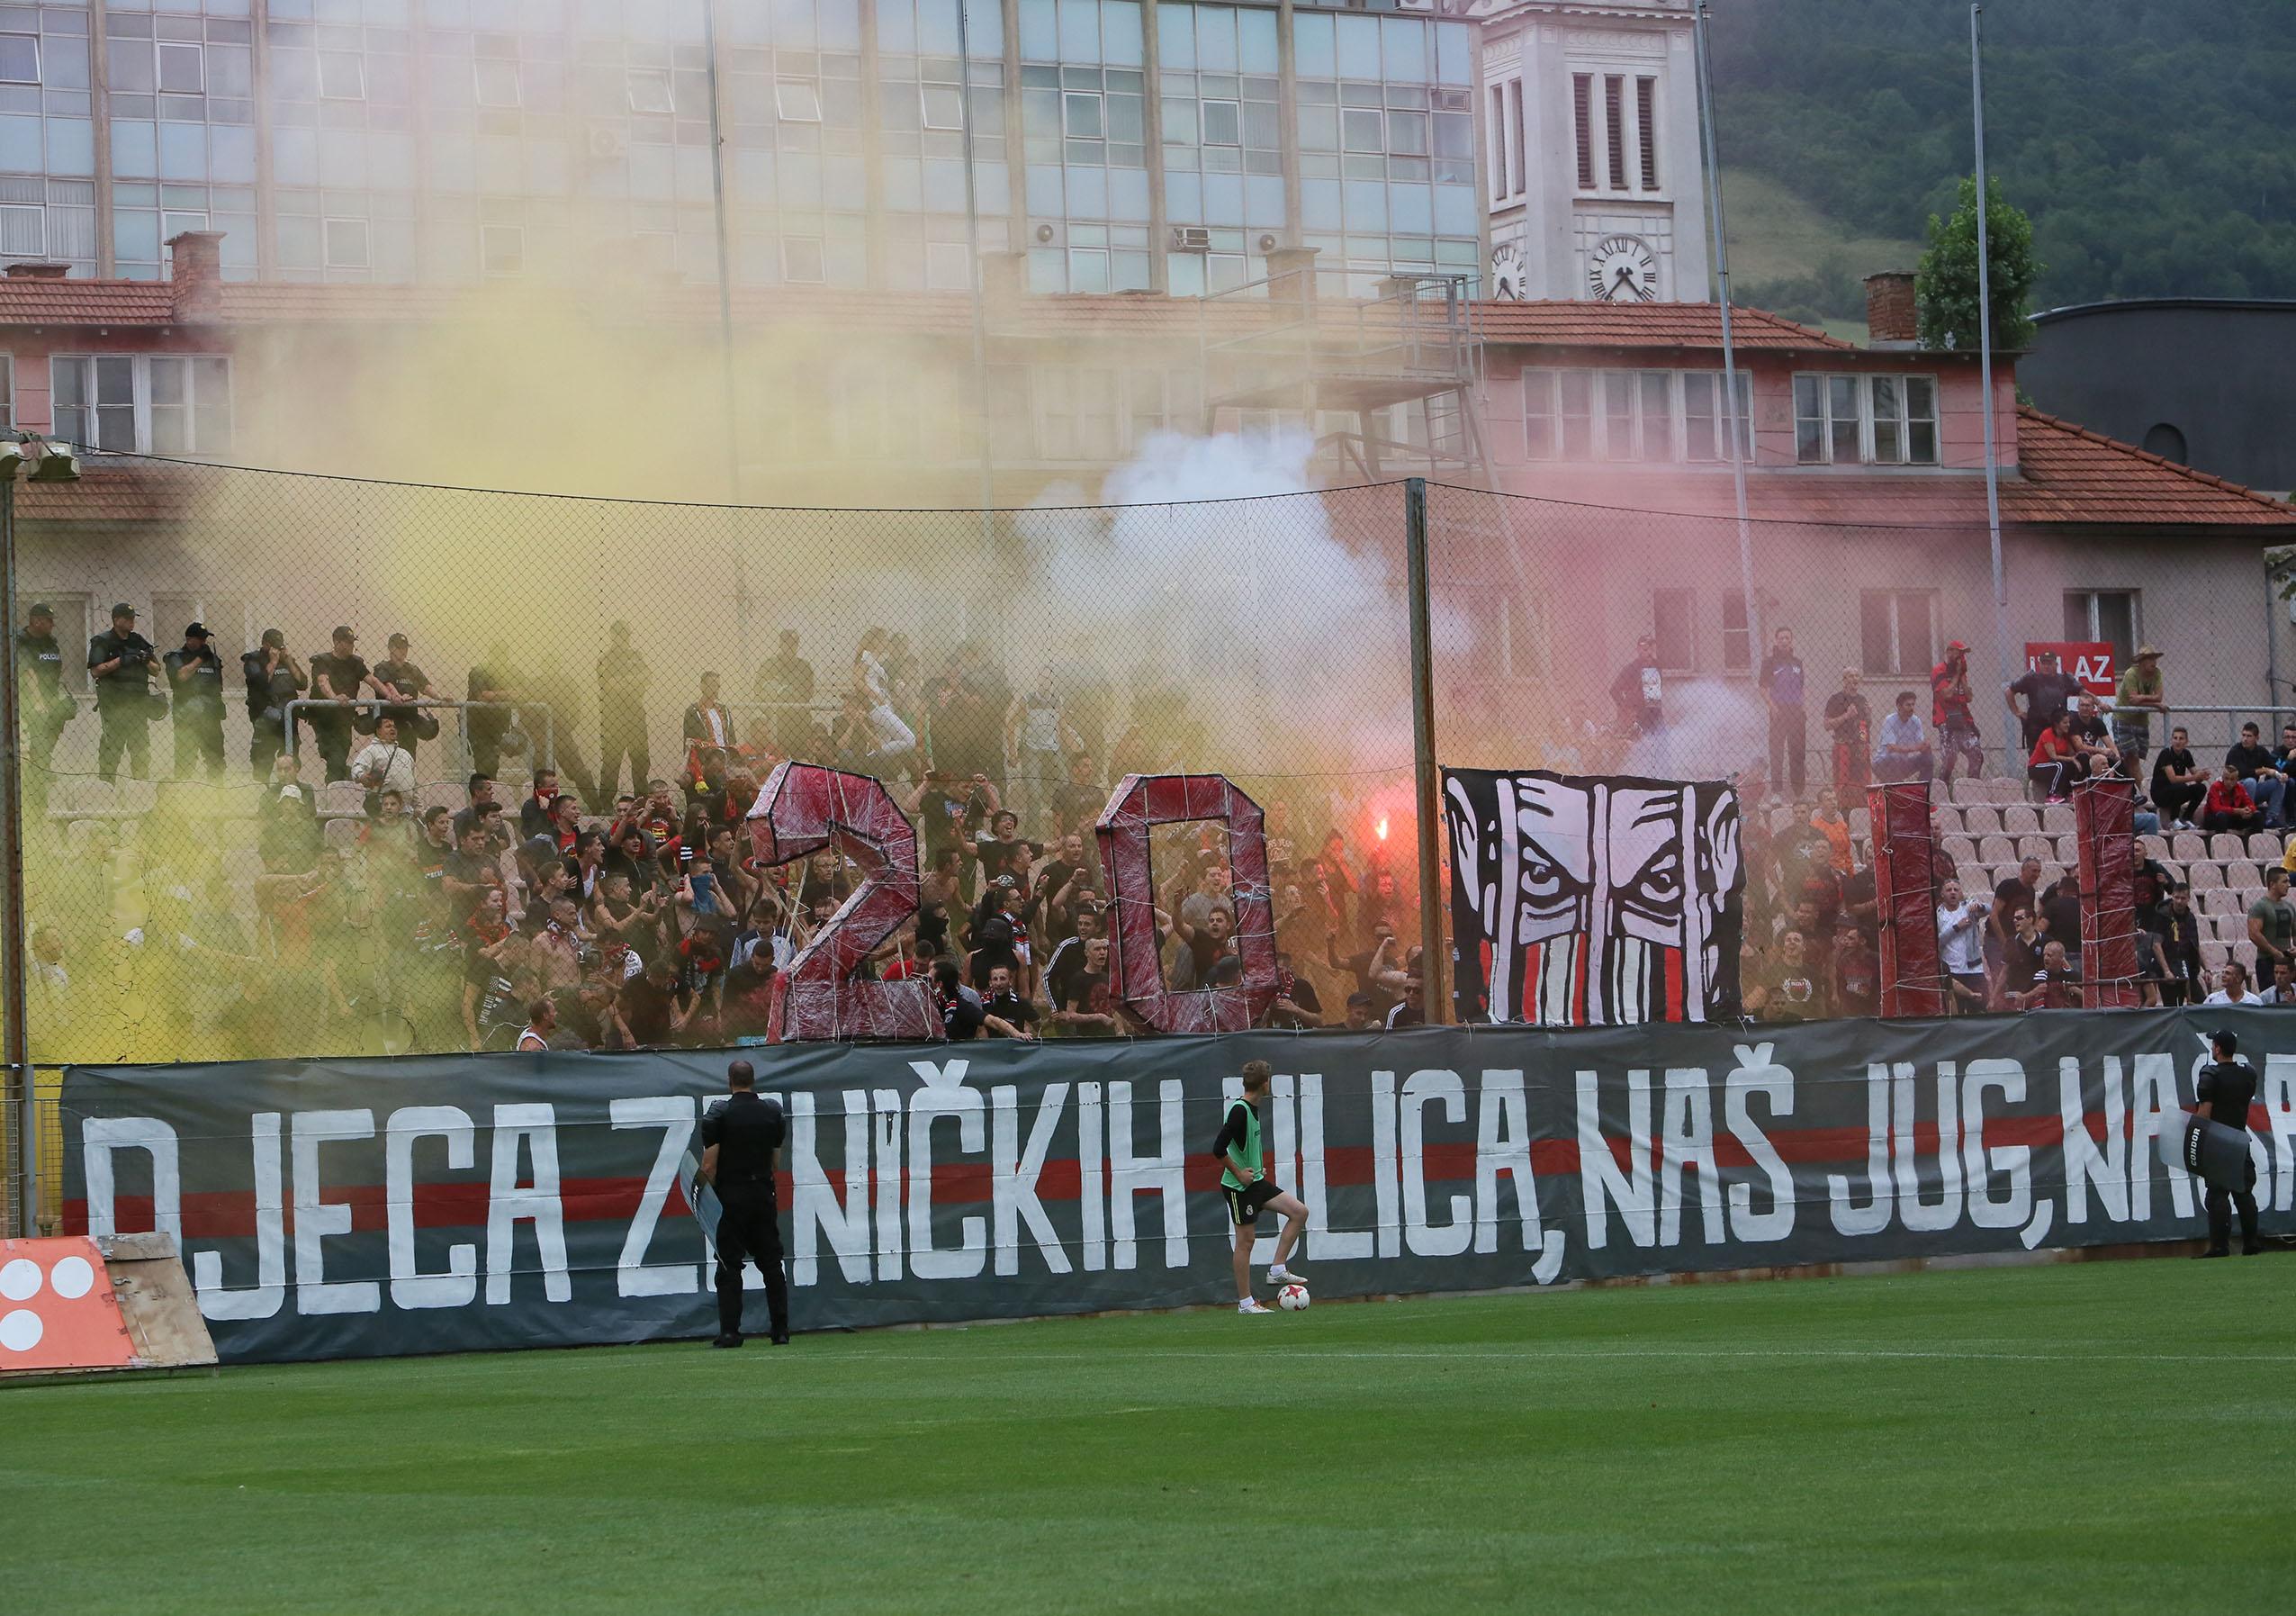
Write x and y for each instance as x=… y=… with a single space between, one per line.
x=1945 y=281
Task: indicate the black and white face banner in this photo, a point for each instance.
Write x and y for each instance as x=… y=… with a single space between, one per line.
x=1592 y=900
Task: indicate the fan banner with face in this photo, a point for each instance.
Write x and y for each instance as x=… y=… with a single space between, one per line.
x=1592 y=900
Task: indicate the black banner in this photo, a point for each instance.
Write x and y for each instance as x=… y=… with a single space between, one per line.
x=370 y=1207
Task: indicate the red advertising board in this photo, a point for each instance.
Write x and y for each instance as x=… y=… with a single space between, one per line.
x=2088 y=660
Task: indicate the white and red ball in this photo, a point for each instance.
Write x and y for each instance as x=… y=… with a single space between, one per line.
x=1292 y=1298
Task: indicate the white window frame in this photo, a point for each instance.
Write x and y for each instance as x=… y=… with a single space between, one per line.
x=355 y=62
x=798 y=111
x=160 y=49
x=327 y=229
x=1896 y=598
x=1903 y=423
x=2090 y=600
x=8 y=391
x=510 y=233
x=141 y=392
x=480 y=68
x=664 y=105
x=1595 y=178
x=14 y=213
x=34 y=41
x=925 y=110
x=1601 y=416
x=1508 y=180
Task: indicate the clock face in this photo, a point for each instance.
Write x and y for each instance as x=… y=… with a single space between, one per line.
x=1507 y=272
x=1623 y=269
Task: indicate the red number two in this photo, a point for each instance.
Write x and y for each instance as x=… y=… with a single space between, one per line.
x=1135 y=970
x=803 y=808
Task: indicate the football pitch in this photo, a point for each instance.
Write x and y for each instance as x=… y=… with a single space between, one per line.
x=2083 y=1438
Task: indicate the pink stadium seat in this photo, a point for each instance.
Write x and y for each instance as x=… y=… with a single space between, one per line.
x=2018 y=819
x=2056 y=820
x=2263 y=846
x=2203 y=875
x=2036 y=847
x=1997 y=850
x=2213 y=954
x=1982 y=821
x=2220 y=900
x=1959 y=849
x=2225 y=846
x=2189 y=845
x=2153 y=847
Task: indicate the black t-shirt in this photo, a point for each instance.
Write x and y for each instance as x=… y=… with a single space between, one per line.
x=960 y=1017
x=1843 y=707
x=2150 y=881
x=2230 y=1088
x=747 y=1128
x=2046 y=696
x=201 y=695
x=2245 y=761
x=2008 y=897
x=344 y=675
x=2020 y=963
x=646 y=1010
x=1794 y=993
x=1084 y=992
x=1011 y=1008
x=133 y=677
x=947 y=816
x=2178 y=758
x=268 y=688
x=2061 y=913
x=2089 y=727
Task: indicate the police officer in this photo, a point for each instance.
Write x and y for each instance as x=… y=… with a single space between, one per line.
x=742 y=1136
x=2227 y=1087
x=274 y=679
x=46 y=705
x=123 y=666
x=194 y=677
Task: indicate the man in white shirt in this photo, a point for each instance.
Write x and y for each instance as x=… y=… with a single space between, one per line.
x=2232 y=986
x=1902 y=751
x=1960 y=949
x=384 y=765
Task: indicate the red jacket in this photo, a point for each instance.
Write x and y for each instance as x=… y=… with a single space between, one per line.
x=2227 y=795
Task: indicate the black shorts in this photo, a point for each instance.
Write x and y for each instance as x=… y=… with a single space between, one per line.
x=1244 y=1205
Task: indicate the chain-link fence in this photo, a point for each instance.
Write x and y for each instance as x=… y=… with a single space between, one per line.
x=201 y=884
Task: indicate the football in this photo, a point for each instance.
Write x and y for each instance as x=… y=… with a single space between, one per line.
x=1291 y=1298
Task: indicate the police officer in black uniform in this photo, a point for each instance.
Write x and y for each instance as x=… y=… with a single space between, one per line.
x=123 y=666
x=742 y=1138
x=46 y=705
x=194 y=676
x=274 y=679
x=2227 y=1089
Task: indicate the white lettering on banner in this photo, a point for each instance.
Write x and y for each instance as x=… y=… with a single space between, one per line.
x=315 y=1218
x=411 y=1287
x=1873 y=1217
x=1386 y=1184
x=2087 y=1166
x=1013 y=1176
x=269 y=1295
x=1920 y=1216
x=2279 y=1109
x=2153 y=1098
x=1758 y=1073
x=102 y=1135
x=1322 y=1242
x=1503 y=1145
x=510 y=1203
x=673 y=1114
x=1451 y=1238
x=1979 y=1163
x=815 y=1209
x=1164 y=1174
x=885 y=1124
x=1686 y=1142
x=1092 y=1167
x=1601 y=1184
x=942 y=1097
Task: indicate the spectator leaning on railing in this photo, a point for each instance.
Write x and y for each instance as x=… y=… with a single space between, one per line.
x=2140 y=694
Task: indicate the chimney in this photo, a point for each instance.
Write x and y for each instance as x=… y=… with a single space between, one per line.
x=198 y=274
x=38 y=271
x=1891 y=320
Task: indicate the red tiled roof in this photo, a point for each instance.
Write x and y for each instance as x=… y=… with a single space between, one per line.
x=25 y=302
x=1559 y=324
x=2072 y=474
x=111 y=490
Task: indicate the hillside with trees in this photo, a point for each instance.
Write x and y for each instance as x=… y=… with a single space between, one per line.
x=2152 y=141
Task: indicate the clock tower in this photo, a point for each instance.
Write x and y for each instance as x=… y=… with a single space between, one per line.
x=1591 y=178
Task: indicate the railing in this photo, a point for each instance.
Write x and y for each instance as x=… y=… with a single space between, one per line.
x=546 y=758
x=2267 y=718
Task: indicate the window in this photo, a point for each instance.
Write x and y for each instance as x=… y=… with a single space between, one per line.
x=1614 y=121
x=948 y=267
x=1646 y=128
x=182 y=68
x=796 y=101
x=2103 y=614
x=24 y=232
x=497 y=81
x=942 y=106
x=649 y=91
x=342 y=76
x=8 y=393
x=1873 y=420
x=347 y=244
x=1658 y=416
x=163 y=404
x=1896 y=632
x=1737 y=645
x=1582 y=120
x=801 y=259
x=1671 y=622
x=19 y=58
x=502 y=249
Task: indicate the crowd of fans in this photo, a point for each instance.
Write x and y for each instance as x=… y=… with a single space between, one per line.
x=538 y=903
x=2011 y=940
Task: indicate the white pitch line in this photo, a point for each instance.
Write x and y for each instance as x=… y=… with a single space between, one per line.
x=1528 y=1355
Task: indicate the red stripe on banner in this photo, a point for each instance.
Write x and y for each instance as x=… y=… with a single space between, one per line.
x=230 y=1214
x=1534 y=969
x=1673 y=959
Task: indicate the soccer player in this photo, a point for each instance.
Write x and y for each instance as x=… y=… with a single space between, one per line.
x=1250 y=1191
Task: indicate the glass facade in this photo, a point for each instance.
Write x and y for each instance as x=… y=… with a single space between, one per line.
x=1118 y=144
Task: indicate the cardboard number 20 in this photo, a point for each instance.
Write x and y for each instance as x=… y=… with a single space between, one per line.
x=1135 y=968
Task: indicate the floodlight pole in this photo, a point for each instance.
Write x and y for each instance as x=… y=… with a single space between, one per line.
x=1426 y=778
x=1739 y=432
x=18 y=1207
x=2009 y=670
x=730 y=402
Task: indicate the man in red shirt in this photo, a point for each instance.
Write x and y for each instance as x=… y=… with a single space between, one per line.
x=2228 y=805
x=1949 y=711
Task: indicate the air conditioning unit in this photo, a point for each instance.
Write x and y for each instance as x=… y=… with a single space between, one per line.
x=1267 y=243
x=608 y=140
x=1190 y=237
x=1047 y=235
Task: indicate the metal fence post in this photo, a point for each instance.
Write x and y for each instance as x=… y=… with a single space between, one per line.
x=1432 y=899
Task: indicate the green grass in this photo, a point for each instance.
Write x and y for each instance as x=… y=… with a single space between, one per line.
x=2084 y=1437
x=1776 y=236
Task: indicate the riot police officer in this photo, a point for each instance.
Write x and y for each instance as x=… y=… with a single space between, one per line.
x=2227 y=1089
x=194 y=676
x=742 y=1136
x=274 y=679
x=46 y=707
x=121 y=663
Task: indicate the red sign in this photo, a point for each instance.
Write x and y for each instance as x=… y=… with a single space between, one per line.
x=2088 y=660
x=57 y=1308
